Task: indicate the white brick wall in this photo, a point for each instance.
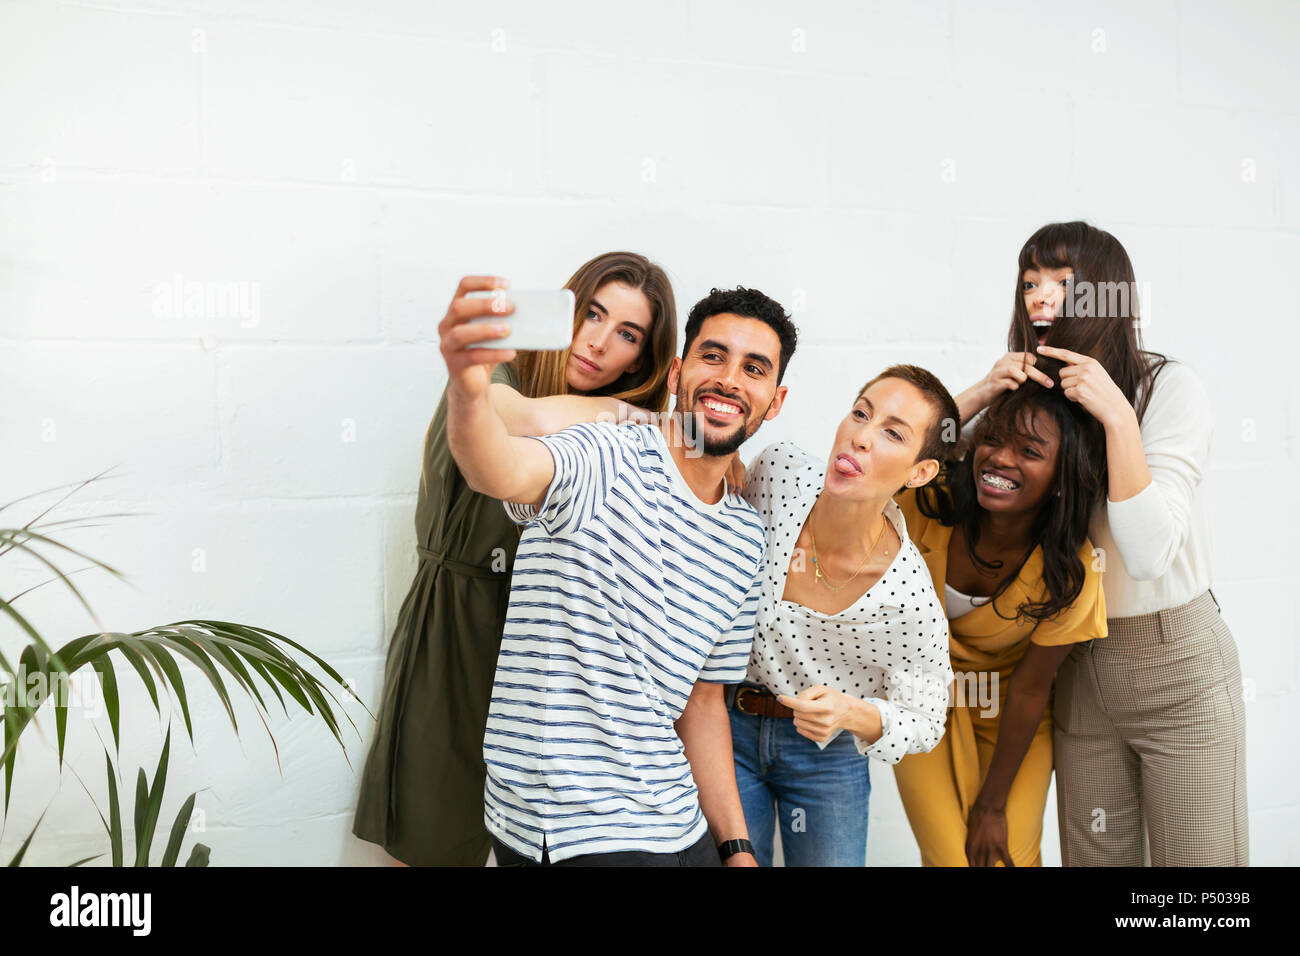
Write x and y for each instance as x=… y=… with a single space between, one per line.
x=338 y=165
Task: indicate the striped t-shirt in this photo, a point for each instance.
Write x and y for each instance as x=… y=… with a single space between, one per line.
x=627 y=589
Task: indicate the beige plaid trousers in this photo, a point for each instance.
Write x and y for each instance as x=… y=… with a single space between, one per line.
x=1150 y=730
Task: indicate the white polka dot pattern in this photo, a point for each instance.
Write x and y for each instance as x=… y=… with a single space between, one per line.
x=890 y=648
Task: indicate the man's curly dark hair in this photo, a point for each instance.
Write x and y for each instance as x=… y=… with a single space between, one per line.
x=751 y=304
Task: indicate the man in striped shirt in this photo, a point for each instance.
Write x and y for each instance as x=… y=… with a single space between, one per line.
x=633 y=601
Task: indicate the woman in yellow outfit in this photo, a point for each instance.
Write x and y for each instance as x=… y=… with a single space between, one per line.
x=1004 y=535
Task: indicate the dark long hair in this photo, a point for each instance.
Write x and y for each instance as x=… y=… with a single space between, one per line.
x=1100 y=316
x=1061 y=525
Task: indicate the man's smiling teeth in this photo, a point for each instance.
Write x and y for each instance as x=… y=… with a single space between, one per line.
x=997 y=481
x=719 y=407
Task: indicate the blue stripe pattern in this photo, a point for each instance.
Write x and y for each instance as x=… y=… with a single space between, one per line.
x=627 y=589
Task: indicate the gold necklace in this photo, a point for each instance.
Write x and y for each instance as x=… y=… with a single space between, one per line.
x=817 y=568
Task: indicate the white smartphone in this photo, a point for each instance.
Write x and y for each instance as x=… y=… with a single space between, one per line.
x=542 y=319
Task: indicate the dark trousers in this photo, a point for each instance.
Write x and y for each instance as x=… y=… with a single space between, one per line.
x=702 y=853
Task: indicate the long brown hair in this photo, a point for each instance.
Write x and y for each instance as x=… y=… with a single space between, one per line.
x=545 y=373
x=1100 y=316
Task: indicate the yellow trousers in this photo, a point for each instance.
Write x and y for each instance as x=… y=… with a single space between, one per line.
x=939 y=787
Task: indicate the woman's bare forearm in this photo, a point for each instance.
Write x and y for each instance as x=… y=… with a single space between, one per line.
x=553 y=413
x=1015 y=732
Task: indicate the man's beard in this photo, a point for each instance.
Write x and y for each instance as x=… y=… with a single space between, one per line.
x=694 y=436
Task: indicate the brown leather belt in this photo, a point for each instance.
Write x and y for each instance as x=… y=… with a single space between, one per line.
x=760 y=702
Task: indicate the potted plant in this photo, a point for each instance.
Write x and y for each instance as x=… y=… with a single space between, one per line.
x=223 y=652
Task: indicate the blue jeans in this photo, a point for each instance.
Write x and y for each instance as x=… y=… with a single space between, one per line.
x=819 y=796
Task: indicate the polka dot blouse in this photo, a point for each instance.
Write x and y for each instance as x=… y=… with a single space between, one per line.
x=890 y=648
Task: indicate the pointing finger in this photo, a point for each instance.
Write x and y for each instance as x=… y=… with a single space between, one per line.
x=1064 y=354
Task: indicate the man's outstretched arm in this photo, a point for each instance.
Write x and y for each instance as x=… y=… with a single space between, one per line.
x=493 y=461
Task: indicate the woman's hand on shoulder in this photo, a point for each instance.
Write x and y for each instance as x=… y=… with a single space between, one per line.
x=736 y=472
x=634 y=415
x=740 y=478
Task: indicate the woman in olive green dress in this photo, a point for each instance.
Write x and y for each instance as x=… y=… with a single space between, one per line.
x=421 y=795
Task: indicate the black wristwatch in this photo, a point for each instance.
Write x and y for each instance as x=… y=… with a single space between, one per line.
x=732 y=847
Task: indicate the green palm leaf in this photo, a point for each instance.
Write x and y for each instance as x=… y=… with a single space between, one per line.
x=199 y=855
x=114 y=813
x=22 y=850
x=146 y=824
x=219 y=650
x=178 y=832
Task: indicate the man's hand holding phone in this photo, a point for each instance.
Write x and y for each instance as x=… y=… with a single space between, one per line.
x=469 y=370
x=476 y=334
x=472 y=337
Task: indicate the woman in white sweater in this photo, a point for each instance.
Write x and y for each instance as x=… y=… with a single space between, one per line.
x=1149 y=724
